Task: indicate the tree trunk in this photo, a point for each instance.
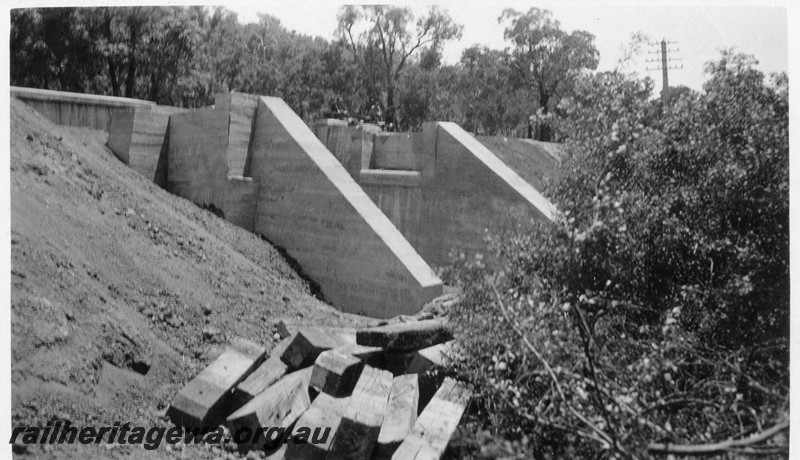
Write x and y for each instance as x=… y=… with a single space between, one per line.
x=155 y=87
x=389 y=94
x=130 y=81
x=544 y=100
x=112 y=75
x=544 y=127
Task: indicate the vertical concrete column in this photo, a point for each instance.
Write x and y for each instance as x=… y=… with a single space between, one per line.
x=241 y=108
x=367 y=146
x=428 y=151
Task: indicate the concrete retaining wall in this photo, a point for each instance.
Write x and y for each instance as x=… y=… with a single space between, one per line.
x=196 y=164
x=361 y=219
x=75 y=109
x=395 y=151
x=119 y=134
x=310 y=205
x=441 y=188
x=344 y=142
x=351 y=145
x=242 y=108
x=241 y=198
x=141 y=140
x=398 y=194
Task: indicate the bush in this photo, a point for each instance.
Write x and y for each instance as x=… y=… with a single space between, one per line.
x=655 y=309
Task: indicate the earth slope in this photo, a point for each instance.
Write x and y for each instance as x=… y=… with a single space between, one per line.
x=121 y=292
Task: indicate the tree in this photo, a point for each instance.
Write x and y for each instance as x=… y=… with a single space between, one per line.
x=51 y=49
x=546 y=57
x=493 y=103
x=383 y=50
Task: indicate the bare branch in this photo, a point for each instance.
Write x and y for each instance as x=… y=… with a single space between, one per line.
x=606 y=438
x=718 y=447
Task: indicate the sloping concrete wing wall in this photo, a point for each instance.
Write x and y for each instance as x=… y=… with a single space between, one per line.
x=472 y=192
x=310 y=206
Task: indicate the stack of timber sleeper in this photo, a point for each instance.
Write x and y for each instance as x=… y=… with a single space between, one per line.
x=369 y=393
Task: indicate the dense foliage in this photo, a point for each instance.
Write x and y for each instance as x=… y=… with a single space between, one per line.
x=173 y=55
x=182 y=56
x=653 y=315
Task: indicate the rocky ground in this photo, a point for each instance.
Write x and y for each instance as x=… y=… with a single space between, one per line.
x=121 y=292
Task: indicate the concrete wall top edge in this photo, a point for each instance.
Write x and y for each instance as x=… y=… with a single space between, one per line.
x=483 y=154
x=351 y=191
x=79 y=98
x=390 y=177
x=330 y=122
x=239 y=178
x=168 y=109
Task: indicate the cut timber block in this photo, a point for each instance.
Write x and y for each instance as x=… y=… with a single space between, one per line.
x=429 y=357
x=278 y=406
x=437 y=423
x=335 y=373
x=204 y=399
x=307 y=344
x=325 y=415
x=401 y=414
x=372 y=356
x=405 y=336
x=361 y=422
x=397 y=319
x=287 y=328
x=269 y=372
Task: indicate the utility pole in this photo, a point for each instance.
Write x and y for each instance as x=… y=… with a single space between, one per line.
x=664 y=73
x=664 y=67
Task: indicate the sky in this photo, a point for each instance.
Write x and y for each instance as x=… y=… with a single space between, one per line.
x=757 y=28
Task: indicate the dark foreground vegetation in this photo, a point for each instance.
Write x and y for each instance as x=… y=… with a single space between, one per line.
x=650 y=319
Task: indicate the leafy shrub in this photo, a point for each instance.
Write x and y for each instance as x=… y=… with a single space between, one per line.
x=654 y=311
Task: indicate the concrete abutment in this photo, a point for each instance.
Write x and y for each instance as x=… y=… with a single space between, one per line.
x=363 y=212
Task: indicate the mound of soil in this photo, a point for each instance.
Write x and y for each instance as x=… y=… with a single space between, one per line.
x=122 y=292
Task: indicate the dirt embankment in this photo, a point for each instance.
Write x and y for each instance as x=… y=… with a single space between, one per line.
x=530 y=161
x=121 y=292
